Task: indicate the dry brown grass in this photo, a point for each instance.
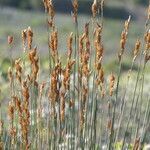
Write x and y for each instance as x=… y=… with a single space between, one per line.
x=76 y=108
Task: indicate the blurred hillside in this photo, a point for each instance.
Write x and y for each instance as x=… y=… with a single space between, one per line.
x=36 y=4
x=116 y=9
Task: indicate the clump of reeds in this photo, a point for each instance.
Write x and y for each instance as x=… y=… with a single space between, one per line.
x=76 y=108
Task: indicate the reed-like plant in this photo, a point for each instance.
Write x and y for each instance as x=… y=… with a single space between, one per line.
x=78 y=106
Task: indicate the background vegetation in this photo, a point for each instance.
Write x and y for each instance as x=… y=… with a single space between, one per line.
x=36 y=4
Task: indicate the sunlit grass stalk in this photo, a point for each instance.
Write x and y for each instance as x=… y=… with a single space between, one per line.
x=123 y=103
x=76 y=67
x=145 y=125
x=132 y=104
x=95 y=121
x=93 y=89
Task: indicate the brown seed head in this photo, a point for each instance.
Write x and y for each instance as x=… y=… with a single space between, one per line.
x=10 y=74
x=25 y=91
x=11 y=111
x=136 y=144
x=75 y=10
x=109 y=125
x=12 y=131
x=136 y=49
x=29 y=37
x=81 y=44
x=111 y=84
x=1 y=145
x=147 y=46
x=94 y=8
x=124 y=38
x=69 y=44
x=55 y=40
x=53 y=43
x=71 y=103
x=127 y=22
x=101 y=75
x=18 y=69
x=1 y=127
x=51 y=9
x=10 y=39
x=45 y=2
x=24 y=37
